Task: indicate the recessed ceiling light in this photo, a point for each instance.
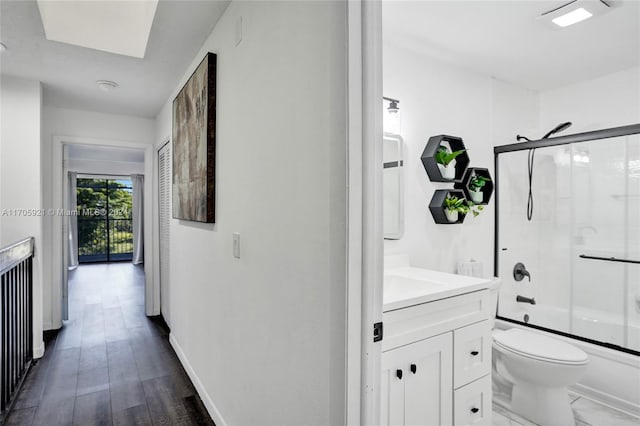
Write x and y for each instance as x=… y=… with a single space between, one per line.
x=576 y=11
x=3 y=47
x=107 y=85
x=572 y=17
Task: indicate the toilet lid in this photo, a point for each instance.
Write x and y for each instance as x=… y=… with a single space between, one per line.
x=539 y=346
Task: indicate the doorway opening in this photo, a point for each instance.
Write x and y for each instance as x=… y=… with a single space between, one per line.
x=105 y=222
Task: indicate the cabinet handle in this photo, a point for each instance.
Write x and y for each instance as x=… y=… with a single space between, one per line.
x=474 y=353
x=475 y=410
x=399 y=374
x=414 y=368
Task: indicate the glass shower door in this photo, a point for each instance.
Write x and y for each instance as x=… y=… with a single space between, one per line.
x=582 y=245
x=599 y=219
x=632 y=302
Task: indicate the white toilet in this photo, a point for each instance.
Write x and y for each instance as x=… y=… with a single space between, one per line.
x=540 y=369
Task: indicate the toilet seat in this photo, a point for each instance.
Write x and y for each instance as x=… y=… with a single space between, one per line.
x=540 y=347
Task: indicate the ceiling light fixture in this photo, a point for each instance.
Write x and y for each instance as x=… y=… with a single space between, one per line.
x=576 y=11
x=572 y=17
x=107 y=85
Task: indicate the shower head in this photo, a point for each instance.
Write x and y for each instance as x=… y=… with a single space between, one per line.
x=559 y=128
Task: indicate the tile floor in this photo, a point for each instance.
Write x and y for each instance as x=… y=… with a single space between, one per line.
x=110 y=364
x=586 y=413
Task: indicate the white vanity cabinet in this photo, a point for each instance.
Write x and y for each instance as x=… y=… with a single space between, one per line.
x=436 y=362
x=417 y=381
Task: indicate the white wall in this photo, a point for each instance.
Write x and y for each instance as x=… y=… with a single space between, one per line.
x=20 y=120
x=77 y=126
x=263 y=336
x=609 y=101
x=436 y=98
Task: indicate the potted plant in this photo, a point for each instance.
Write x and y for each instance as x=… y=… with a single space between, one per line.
x=446 y=161
x=476 y=184
x=454 y=205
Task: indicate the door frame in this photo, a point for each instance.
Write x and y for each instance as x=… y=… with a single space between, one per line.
x=365 y=247
x=59 y=247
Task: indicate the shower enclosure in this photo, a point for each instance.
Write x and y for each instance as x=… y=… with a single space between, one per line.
x=581 y=247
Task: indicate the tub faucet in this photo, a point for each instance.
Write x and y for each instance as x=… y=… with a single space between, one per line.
x=520 y=271
x=522 y=299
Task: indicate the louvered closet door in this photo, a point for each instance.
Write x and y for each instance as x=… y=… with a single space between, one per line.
x=164 y=201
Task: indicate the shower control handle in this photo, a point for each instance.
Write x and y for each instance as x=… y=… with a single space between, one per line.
x=520 y=271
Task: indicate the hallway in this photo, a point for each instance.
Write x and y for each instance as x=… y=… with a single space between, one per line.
x=110 y=364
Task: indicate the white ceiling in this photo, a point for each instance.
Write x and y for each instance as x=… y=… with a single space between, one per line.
x=105 y=153
x=69 y=73
x=505 y=40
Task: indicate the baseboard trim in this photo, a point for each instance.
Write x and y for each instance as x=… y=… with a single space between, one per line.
x=607 y=399
x=206 y=399
x=38 y=351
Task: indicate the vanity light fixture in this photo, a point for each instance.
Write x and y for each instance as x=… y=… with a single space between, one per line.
x=107 y=85
x=391 y=119
x=393 y=105
x=576 y=11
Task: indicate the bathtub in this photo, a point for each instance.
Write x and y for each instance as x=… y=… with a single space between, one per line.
x=592 y=324
x=612 y=377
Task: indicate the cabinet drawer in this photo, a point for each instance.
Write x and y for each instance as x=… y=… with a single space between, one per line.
x=471 y=353
x=408 y=325
x=472 y=403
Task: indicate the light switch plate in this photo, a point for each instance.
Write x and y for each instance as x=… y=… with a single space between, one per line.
x=236 y=245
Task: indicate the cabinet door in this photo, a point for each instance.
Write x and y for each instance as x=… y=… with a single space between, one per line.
x=472 y=349
x=424 y=394
x=428 y=392
x=392 y=394
x=473 y=403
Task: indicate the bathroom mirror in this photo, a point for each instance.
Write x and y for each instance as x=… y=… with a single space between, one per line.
x=393 y=192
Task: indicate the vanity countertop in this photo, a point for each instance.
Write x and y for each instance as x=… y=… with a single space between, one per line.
x=407 y=286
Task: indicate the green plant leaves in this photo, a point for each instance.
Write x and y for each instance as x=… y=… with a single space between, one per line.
x=477 y=182
x=460 y=205
x=444 y=156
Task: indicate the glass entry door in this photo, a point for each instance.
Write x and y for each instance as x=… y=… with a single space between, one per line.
x=105 y=228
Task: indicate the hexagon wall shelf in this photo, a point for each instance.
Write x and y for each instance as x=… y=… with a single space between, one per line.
x=487 y=189
x=429 y=161
x=436 y=206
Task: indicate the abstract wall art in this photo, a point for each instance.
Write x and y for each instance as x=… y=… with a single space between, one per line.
x=194 y=145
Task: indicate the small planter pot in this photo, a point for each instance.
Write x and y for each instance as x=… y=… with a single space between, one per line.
x=448 y=172
x=476 y=196
x=452 y=215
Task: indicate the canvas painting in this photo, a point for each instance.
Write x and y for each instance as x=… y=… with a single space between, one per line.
x=194 y=126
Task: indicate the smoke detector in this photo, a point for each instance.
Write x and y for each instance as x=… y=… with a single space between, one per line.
x=107 y=85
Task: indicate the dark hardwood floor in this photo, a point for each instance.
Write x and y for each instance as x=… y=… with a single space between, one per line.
x=110 y=364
